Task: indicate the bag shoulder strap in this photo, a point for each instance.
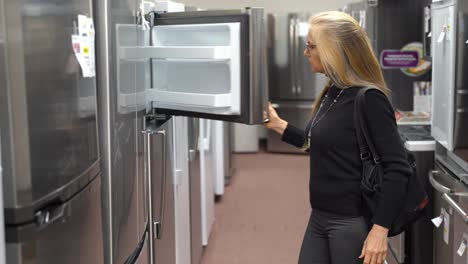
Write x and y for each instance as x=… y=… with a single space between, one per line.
x=366 y=146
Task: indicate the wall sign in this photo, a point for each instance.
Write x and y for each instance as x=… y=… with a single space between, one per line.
x=399 y=59
x=408 y=59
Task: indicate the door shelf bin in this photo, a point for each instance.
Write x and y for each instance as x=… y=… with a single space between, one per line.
x=155 y=52
x=189 y=99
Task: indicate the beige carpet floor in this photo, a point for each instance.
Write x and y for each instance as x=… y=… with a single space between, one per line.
x=263 y=214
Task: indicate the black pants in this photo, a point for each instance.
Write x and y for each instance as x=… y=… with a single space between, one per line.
x=333 y=239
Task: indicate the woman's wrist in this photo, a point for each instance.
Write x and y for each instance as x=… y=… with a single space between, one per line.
x=380 y=229
x=280 y=127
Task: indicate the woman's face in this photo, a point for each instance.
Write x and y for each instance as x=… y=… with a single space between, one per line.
x=311 y=53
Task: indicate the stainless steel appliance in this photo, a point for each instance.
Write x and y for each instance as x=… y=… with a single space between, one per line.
x=450 y=92
x=195 y=191
x=222 y=156
x=161 y=209
x=296 y=113
x=293 y=86
x=122 y=145
x=49 y=139
x=395 y=26
x=213 y=72
x=449 y=181
x=229 y=169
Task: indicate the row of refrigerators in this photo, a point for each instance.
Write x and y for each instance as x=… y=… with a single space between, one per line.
x=97 y=160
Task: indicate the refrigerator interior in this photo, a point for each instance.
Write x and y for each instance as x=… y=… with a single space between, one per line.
x=221 y=60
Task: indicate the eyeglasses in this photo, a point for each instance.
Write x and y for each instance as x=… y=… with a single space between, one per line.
x=310 y=47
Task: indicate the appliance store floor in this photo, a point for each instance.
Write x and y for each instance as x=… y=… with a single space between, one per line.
x=263 y=214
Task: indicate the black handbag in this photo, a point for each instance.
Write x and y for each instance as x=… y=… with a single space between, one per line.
x=372 y=175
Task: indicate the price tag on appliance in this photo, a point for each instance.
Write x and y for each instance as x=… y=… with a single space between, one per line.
x=462 y=248
x=437 y=221
x=441 y=37
x=446 y=227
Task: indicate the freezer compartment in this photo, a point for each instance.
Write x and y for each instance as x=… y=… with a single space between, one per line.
x=22 y=214
x=70 y=232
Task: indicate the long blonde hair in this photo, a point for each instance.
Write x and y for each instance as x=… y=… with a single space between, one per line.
x=345 y=52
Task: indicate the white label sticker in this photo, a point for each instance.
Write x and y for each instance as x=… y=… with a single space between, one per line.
x=362 y=18
x=437 y=221
x=446 y=227
x=462 y=248
x=429 y=35
x=441 y=37
x=85 y=38
x=466 y=42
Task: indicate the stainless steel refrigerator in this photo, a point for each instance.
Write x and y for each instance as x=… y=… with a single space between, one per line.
x=450 y=183
x=450 y=93
x=146 y=77
x=49 y=136
x=122 y=144
x=396 y=26
x=293 y=86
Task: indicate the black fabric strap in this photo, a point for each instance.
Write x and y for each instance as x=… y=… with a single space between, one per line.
x=362 y=131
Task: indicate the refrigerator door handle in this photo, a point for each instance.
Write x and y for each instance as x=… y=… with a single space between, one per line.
x=455 y=206
x=192 y=154
x=442 y=188
x=296 y=57
x=149 y=189
x=292 y=44
x=437 y=185
x=49 y=216
x=155 y=227
x=193 y=151
x=158 y=230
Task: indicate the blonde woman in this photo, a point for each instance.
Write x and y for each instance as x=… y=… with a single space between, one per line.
x=337 y=233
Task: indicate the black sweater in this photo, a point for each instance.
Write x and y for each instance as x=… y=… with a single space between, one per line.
x=335 y=165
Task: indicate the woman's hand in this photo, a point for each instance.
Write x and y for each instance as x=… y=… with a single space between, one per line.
x=375 y=247
x=275 y=122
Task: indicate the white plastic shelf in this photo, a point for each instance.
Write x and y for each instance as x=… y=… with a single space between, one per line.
x=193 y=99
x=210 y=53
